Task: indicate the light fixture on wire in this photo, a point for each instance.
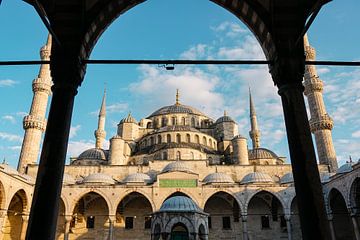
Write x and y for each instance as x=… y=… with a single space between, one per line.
x=168 y=67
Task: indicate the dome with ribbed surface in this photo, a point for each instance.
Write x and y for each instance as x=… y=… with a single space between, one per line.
x=93 y=154
x=138 y=178
x=287 y=178
x=224 y=119
x=347 y=167
x=179 y=204
x=68 y=179
x=257 y=177
x=177 y=166
x=218 y=177
x=262 y=153
x=99 y=178
x=176 y=108
x=128 y=119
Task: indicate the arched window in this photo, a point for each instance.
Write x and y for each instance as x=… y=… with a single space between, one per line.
x=178 y=155
x=149 y=142
x=192 y=155
x=210 y=143
x=178 y=138
x=152 y=141
x=174 y=121
x=197 y=139
x=204 y=141
x=188 y=138
x=164 y=156
x=163 y=122
x=168 y=138
x=183 y=121
x=159 y=140
x=193 y=122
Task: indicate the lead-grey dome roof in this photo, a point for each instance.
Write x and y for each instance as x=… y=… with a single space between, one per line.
x=287 y=178
x=93 y=154
x=256 y=177
x=177 y=166
x=224 y=119
x=176 y=108
x=262 y=153
x=179 y=204
x=347 y=167
x=218 y=177
x=137 y=178
x=99 y=178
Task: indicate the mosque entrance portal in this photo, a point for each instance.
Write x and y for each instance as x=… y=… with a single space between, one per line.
x=179 y=232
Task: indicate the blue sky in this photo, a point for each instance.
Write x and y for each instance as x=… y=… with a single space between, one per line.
x=181 y=29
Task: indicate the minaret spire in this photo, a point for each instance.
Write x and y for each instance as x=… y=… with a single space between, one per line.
x=177 y=97
x=320 y=122
x=34 y=124
x=254 y=132
x=100 y=133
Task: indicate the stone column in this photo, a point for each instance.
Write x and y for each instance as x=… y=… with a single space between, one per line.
x=288 y=226
x=112 y=220
x=3 y=216
x=356 y=226
x=245 y=230
x=287 y=72
x=331 y=225
x=67 y=73
x=68 y=220
x=24 y=225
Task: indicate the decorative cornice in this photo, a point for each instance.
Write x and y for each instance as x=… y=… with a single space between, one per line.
x=36 y=122
x=310 y=53
x=314 y=85
x=41 y=85
x=325 y=122
x=99 y=133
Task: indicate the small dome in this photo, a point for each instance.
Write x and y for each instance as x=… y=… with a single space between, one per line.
x=177 y=166
x=257 y=177
x=176 y=108
x=98 y=178
x=347 y=167
x=93 y=154
x=287 y=178
x=218 y=178
x=128 y=119
x=325 y=176
x=179 y=204
x=224 y=119
x=138 y=178
x=68 y=179
x=261 y=153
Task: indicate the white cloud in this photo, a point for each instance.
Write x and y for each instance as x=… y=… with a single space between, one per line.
x=10 y=137
x=9 y=118
x=356 y=134
x=248 y=49
x=15 y=148
x=7 y=83
x=117 y=107
x=21 y=114
x=77 y=147
x=74 y=130
x=229 y=29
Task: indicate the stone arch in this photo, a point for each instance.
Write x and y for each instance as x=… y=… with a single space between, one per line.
x=341 y=218
x=179 y=219
x=265 y=212
x=202 y=232
x=251 y=195
x=354 y=196
x=14 y=227
x=87 y=191
x=159 y=139
x=168 y=138
x=178 y=138
x=197 y=139
x=239 y=202
x=60 y=227
x=138 y=191
x=2 y=196
x=188 y=138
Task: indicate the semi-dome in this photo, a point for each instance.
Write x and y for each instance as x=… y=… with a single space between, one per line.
x=179 y=204
x=287 y=178
x=68 y=179
x=262 y=153
x=347 y=167
x=99 y=178
x=224 y=119
x=177 y=166
x=218 y=177
x=137 y=178
x=93 y=154
x=257 y=177
x=176 y=108
x=128 y=119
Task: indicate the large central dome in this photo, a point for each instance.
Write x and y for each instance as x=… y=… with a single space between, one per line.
x=176 y=108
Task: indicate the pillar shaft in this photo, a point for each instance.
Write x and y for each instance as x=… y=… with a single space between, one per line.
x=356 y=227
x=24 y=225
x=67 y=227
x=245 y=231
x=45 y=204
x=331 y=226
x=288 y=226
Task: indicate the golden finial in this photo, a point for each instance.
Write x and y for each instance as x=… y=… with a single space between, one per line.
x=177 y=97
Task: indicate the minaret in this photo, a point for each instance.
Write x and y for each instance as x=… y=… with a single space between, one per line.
x=34 y=124
x=100 y=133
x=320 y=122
x=254 y=132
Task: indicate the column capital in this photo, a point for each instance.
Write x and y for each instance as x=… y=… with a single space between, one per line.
x=112 y=218
x=244 y=218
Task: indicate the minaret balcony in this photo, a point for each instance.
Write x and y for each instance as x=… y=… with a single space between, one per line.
x=325 y=122
x=310 y=53
x=41 y=85
x=315 y=85
x=36 y=122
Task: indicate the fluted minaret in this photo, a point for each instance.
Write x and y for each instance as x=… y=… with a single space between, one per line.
x=100 y=133
x=34 y=124
x=254 y=132
x=320 y=122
